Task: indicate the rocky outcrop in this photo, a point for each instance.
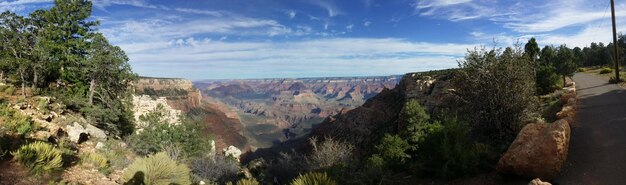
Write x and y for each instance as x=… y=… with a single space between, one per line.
x=162 y=84
x=232 y=151
x=76 y=133
x=143 y=104
x=538 y=181
x=540 y=149
x=362 y=126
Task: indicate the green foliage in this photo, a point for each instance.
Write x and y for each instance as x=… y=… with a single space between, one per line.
x=416 y=123
x=531 y=49
x=450 y=152
x=614 y=81
x=159 y=134
x=60 y=45
x=156 y=169
x=495 y=92
x=15 y=121
x=251 y=181
x=9 y=90
x=391 y=152
x=566 y=64
x=40 y=157
x=313 y=178
x=547 y=79
x=97 y=160
x=42 y=104
x=606 y=70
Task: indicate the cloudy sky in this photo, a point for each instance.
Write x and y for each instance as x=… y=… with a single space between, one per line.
x=220 y=39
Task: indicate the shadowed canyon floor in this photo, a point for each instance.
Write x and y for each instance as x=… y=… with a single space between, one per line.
x=598 y=143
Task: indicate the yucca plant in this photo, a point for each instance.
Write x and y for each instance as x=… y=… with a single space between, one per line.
x=40 y=157
x=156 y=170
x=251 y=181
x=313 y=178
x=96 y=159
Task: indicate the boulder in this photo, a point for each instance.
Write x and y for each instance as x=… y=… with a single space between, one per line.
x=76 y=133
x=538 y=181
x=567 y=113
x=95 y=132
x=540 y=150
x=232 y=151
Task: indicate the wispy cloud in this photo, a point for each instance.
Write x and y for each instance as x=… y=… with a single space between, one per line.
x=203 y=12
x=19 y=5
x=329 y=6
x=554 y=16
x=330 y=57
x=291 y=14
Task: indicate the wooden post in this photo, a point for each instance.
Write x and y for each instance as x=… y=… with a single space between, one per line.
x=617 y=80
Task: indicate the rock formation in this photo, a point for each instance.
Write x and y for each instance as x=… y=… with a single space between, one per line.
x=539 y=150
x=361 y=126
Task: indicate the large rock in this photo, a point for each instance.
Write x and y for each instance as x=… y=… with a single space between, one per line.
x=538 y=181
x=232 y=151
x=95 y=132
x=539 y=151
x=77 y=133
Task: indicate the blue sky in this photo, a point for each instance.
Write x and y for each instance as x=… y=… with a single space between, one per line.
x=223 y=39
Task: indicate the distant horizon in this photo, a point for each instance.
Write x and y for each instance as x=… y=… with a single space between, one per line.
x=239 y=39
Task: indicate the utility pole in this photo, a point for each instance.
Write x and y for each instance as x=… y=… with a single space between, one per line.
x=617 y=80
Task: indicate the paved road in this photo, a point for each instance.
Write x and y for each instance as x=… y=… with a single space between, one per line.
x=597 y=151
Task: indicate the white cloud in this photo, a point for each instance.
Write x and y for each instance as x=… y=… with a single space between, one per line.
x=329 y=6
x=367 y=23
x=554 y=16
x=19 y=5
x=321 y=57
x=349 y=27
x=291 y=14
x=203 y=12
x=420 y=4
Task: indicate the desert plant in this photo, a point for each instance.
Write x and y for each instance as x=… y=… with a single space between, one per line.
x=614 y=81
x=313 y=178
x=9 y=90
x=15 y=121
x=328 y=153
x=40 y=157
x=95 y=159
x=156 y=169
x=606 y=70
x=251 y=181
x=494 y=91
x=219 y=170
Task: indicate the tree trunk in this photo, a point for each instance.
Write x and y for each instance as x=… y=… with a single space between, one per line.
x=35 y=79
x=92 y=89
x=2 y=76
x=23 y=83
x=564 y=82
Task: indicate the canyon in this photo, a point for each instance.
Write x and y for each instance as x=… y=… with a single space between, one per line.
x=273 y=111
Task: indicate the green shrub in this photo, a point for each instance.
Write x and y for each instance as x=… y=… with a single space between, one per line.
x=494 y=92
x=582 y=69
x=606 y=70
x=450 y=152
x=251 y=181
x=42 y=105
x=40 y=157
x=391 y=152
x=16 y=122
x=313 y=178
x=9 y=90
x=97 y=160
x=159 y=134
x=156 y=169
x=3 y=87
x=614 y=81
x=547 y=80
